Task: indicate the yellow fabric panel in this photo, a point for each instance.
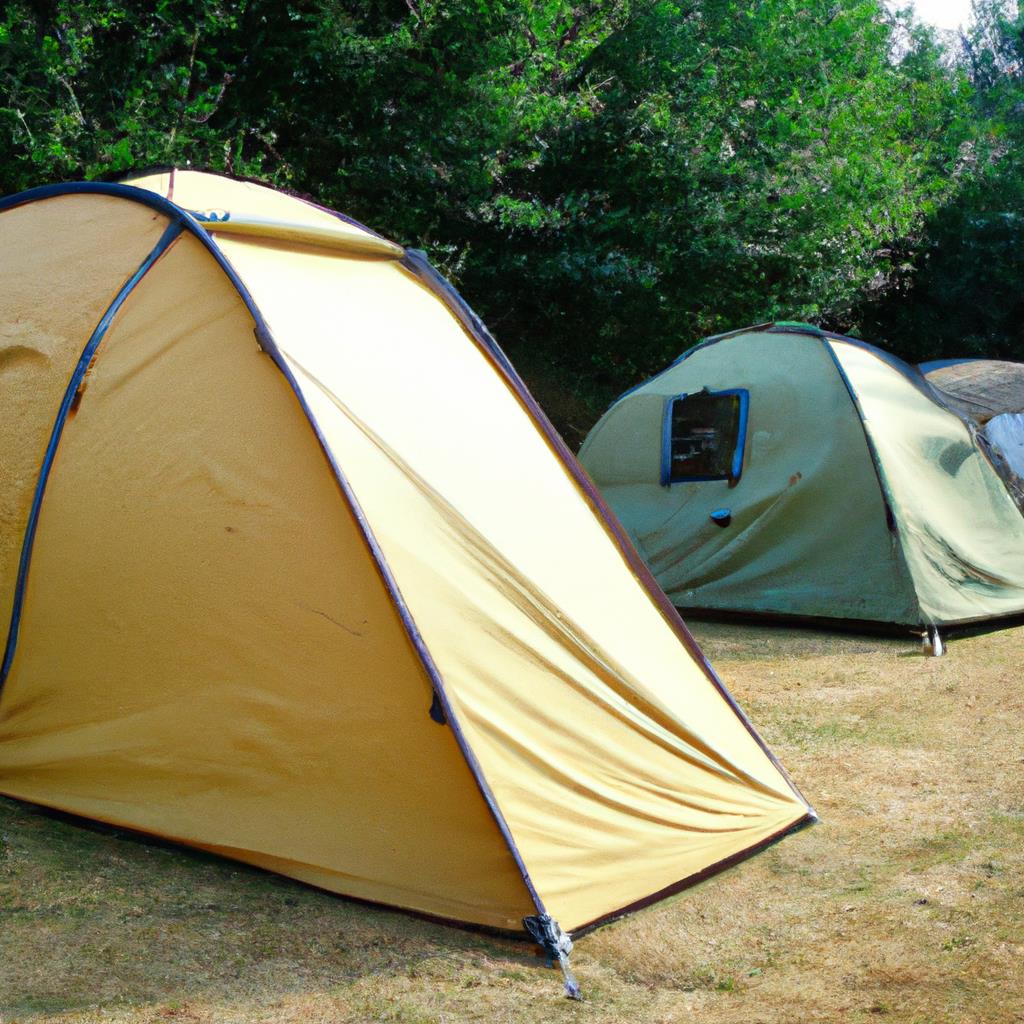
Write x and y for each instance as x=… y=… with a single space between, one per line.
x=62 y=261
x=208 y=652
x=807 y=507
x=962 y=533
x=245 y=200
x=618 y=766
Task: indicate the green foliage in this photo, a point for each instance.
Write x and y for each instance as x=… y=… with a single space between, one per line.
x=100 y=88
x=957 y=291
x=607 y=181
x=741 y=163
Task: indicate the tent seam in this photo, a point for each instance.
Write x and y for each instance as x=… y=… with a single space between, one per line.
x=416 y=263
x=85 y=360
x=264 y=337
x=876 y=462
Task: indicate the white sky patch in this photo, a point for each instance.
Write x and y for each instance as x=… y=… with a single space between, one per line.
x=944 y=14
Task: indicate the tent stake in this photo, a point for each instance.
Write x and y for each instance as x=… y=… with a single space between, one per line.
x=932 y=644
x=546 y=932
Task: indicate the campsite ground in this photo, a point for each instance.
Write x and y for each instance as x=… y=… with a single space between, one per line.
x=905 y=904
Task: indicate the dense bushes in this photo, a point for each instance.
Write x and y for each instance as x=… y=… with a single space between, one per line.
x=607 y=181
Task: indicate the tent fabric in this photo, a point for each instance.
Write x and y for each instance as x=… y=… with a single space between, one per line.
x=40 y=344
x=960 y=529
x=863 y=496
x=1005 y=433
x=297 y=513
x=981 y=388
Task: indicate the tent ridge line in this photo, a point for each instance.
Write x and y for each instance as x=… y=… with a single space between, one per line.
x=912 y=373
x=703 y=343
x=415 y=261
x=170 y=234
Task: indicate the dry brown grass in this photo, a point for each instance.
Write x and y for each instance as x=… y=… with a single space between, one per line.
x=905 y=904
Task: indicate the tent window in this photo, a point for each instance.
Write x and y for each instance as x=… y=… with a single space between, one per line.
x=704 y=436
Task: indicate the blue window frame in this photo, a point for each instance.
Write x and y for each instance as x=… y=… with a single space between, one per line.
x=704 y=434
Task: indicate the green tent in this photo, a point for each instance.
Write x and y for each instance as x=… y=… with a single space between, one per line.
x=787 y=471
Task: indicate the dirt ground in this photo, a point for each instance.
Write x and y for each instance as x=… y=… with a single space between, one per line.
x=906 y=903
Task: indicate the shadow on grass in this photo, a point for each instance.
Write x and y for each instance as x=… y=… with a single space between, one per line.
x=96 y=917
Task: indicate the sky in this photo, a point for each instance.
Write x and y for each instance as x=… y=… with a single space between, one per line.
x=944 y=14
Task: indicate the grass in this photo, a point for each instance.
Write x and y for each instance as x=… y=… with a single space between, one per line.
x=905 y=904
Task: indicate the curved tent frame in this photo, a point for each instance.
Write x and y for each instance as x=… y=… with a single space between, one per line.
x=185 y=221
x=911 y=374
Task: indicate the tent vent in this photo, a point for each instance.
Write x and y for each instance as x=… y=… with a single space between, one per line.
x=546 y=932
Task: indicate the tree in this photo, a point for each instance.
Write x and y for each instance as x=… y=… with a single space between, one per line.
x=959 y=289
x=607 y=180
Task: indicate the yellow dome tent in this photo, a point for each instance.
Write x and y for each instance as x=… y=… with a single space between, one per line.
x=784 y=470
x=297 y=572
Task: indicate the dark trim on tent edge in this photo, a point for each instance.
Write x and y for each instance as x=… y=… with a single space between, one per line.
x=810 y=818
x=104 y=826
x=416 y=263
x=769 y=619
x=85 y=360
x=268 y=345
x=132 y=833
x=866 y=627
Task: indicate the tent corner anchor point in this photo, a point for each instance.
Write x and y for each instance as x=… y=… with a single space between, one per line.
x=548 y=934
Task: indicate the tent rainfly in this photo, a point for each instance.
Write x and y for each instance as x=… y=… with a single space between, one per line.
x=297 y=572
x=784 y=470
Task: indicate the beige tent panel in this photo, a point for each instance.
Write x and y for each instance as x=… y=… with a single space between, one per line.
x=603 y=741
x=960 y=528
x=807 y=506
x=207 y=651
x=41 y=342
x=393 y=480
